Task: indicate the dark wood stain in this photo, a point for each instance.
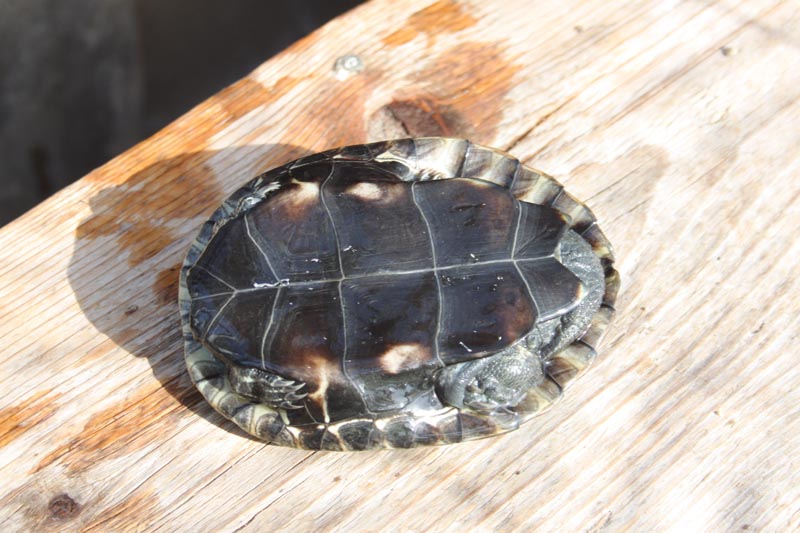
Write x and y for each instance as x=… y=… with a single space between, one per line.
x=461 y=92
x=475 y=79
x=423 y=117
x=445 y=16
x=166 y=285
x=63 y=507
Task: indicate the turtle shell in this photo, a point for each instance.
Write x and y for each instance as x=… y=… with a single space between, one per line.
x=323 y=299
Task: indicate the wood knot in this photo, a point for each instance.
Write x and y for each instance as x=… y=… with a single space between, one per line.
x=62 y=507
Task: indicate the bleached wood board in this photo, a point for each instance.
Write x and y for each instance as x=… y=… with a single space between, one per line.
x=676 y=122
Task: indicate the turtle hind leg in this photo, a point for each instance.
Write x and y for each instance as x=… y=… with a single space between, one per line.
x=495 y=382
x=268 y=388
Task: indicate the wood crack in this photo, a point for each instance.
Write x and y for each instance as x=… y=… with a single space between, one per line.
x=544 y=118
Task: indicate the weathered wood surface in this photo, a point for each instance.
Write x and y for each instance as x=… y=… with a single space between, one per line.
x=677 y=122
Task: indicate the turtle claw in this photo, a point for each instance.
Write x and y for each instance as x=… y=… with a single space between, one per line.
x=293 y=396
x=266 y=387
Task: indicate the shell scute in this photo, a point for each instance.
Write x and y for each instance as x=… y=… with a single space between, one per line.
x=471 y=220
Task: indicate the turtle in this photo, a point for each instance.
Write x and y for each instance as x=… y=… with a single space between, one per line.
x=396 y=294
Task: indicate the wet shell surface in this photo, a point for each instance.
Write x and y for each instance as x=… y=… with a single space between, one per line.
x=395 y=294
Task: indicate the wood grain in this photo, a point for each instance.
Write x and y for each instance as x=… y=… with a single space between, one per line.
x=676 y=122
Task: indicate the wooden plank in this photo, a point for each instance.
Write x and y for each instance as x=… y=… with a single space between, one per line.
x=676 y=122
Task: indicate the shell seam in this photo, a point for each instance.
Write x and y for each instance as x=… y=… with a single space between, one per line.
x=268 y=328
x=263 y=252
x=514 y=261
x=339 y=286
x=379 y=274
x=216 y=317
x=207 y=271
x=435 y=275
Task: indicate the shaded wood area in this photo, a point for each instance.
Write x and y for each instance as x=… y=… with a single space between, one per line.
x=677 y=123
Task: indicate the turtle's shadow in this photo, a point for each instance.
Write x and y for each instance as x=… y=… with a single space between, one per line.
x=127 y=254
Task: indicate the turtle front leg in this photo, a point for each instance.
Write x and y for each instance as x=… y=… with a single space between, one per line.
x=265 y=387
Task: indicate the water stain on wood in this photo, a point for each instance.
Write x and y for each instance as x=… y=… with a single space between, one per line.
x=474 y=78
x=15 y=420
x=445 y=16
x=442 y=98
x=147 y=417
x=340 y=124
x=247 y=94
x=139 y=212
x=136 y=237
x=142 y=503
x=461 y=93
